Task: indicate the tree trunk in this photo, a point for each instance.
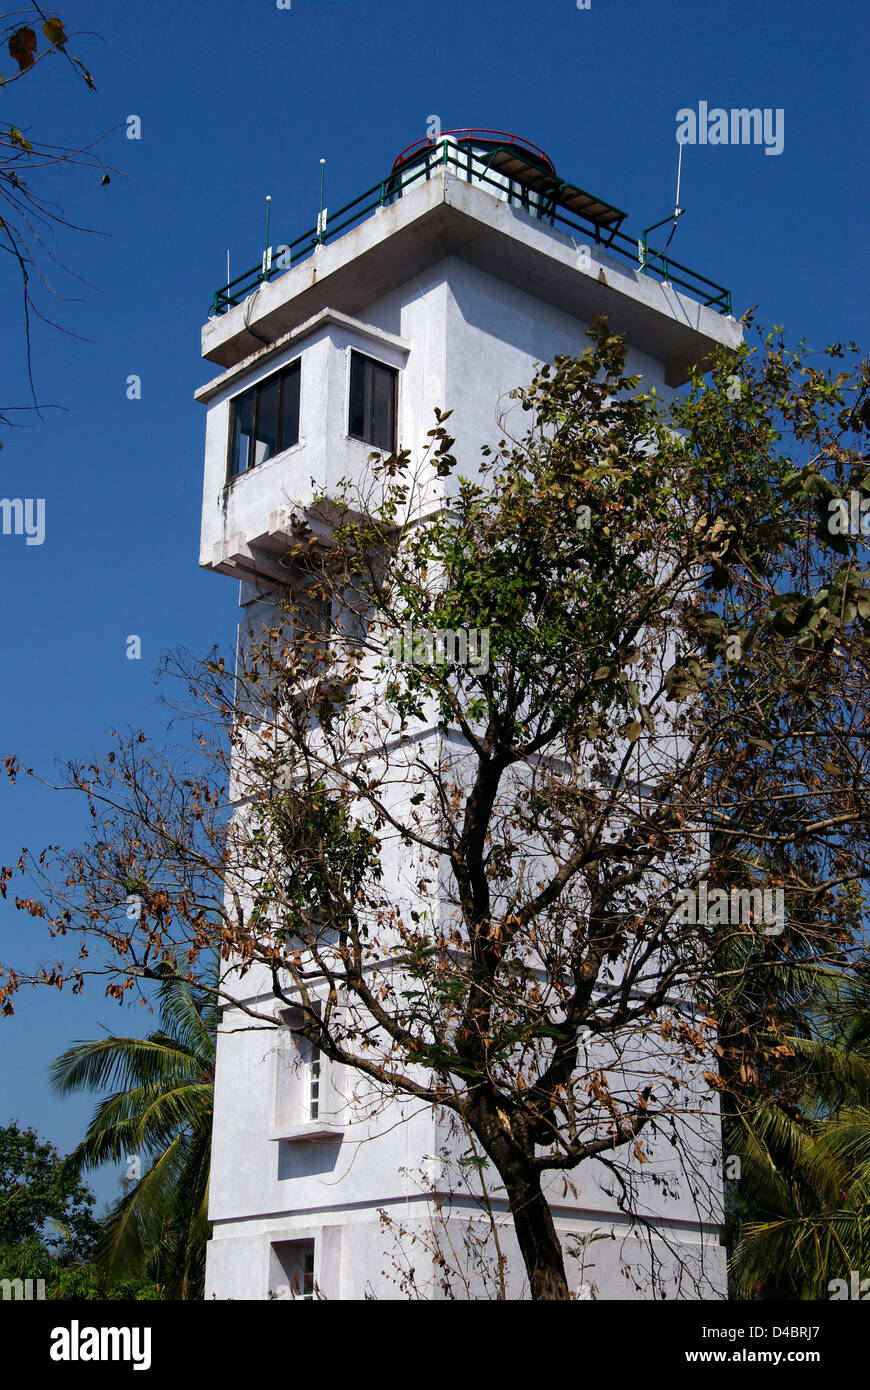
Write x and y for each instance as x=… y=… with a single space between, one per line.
x=537 y=1238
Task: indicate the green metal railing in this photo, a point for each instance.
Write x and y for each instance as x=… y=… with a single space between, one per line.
x=540 y=203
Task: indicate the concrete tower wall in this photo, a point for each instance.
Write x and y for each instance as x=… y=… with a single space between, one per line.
x=462 y=294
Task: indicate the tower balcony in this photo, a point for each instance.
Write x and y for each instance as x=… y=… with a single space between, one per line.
x=426 y=207
x=441 y=286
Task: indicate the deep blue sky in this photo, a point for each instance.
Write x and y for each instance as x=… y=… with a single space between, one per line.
x=238 y=99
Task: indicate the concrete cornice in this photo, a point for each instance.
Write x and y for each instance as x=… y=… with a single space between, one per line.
x=379 y=336
x=447 y=216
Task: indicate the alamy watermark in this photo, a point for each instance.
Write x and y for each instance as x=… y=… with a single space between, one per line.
x=22 y=1290
x=77 y=1343
x=467 y=646
x=740 y=126
x=849 y=517
x=24 y=516
x=856 y=1288
x=718 y=906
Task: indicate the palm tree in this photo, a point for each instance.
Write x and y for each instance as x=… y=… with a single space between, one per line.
x=804 y=1205
x=161 y=1109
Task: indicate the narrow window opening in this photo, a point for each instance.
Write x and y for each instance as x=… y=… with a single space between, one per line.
x=292 y=1269
x=372 y=404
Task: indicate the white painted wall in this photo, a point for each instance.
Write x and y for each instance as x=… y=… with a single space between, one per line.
x=462 y=338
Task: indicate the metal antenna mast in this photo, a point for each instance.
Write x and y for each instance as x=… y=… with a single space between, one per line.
x=642 y=246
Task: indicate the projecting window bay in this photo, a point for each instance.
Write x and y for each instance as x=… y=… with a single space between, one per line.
x=264 y=420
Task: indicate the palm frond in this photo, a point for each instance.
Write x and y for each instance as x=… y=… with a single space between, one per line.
x=159 y=1106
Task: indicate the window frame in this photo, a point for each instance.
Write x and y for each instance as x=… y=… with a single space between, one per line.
x=394 y=371
x=303 y=1254
x=313 y=1076
x=292 y=368
x=302 y=1074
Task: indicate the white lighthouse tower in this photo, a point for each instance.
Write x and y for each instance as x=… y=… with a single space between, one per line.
x=441 y=286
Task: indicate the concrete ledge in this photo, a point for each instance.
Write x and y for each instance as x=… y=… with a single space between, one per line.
x=310 y=1131
x=447 y=216
x=295 y=337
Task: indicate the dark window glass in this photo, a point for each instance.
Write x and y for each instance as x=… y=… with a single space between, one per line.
x=266 y=442
x=383 y=400
x=372 y=413
x=290 y=407
x=265 y=420
x=357 y=421
x=243 y=429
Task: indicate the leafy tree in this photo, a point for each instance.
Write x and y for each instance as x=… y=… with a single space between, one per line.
x=38 y=1191
x=69 y=1278
x=47 y=1228
x=160 y=1109
x=675 y=695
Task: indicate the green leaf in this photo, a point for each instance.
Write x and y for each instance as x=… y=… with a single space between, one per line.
x=711 y=624
x=54 y=31
x=833 y=539
x=16 y=138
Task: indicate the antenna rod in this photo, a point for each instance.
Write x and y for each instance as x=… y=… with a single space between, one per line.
x=643 y=254
x=321 y=230
x=267 y=259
